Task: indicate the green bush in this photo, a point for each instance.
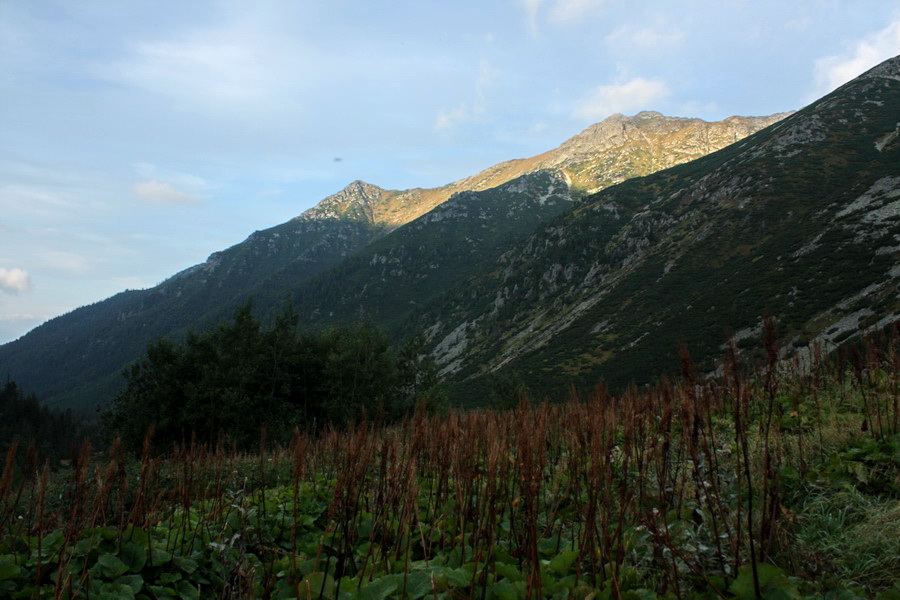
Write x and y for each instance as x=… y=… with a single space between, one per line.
x=240 y=378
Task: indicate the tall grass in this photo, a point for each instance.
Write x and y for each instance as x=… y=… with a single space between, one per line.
x=695 y=486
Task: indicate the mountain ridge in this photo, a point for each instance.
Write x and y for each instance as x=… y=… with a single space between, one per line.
x=366 y=251
x=604 y=289
x=361 y=200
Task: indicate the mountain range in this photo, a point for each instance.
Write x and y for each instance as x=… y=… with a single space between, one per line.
x=590 y=262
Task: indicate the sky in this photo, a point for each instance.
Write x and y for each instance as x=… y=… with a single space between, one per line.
x=138 y=137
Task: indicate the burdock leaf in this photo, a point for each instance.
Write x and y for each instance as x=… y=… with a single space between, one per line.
x=379 y=589
x=109 y=566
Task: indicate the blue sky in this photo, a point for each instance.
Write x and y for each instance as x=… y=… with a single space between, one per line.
x=138 y=137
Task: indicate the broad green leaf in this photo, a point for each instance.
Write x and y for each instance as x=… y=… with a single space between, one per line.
x=364 y=529
x=550 y=546
x=508 y=590
x=306 y=566
x=314 y=582
x=90 y=540
x=187 y=590
x=162 y=593
x=84 y=546
x=137 y=536
x=158 y=557
x=773 y=584
x=167 y=578
x=509 y=571
x=562 y=563
x=136 y=582
x=134 y=556
x=569 y=581
x=459 y=577
x=10 y=572
x=52 y=542
x=188 y=565
x=115 y=591
x=380 y=588
x=109 y=567
x=418 y=584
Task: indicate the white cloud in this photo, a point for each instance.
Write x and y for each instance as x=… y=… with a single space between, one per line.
x=181 y=179
x=236 y=67
x=531 y=13
x=573 y=10
x=561 y=11
x=207 y=70
x=13 y=281
x=452 y=117
x=163 y=193
x=833 y=71
x=469 y=111
x=655 y=38
x=634 y=95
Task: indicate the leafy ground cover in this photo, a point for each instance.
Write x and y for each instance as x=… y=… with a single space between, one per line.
x=777 y=482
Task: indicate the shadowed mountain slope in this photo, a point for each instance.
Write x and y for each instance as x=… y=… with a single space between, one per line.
x=363 y=251
x=800 y=221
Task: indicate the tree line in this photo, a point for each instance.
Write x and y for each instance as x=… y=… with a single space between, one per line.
x=241 y=377
x=55 y=434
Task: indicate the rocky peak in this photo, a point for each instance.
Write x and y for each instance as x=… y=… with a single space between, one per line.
x=612 y=132
x=653 y=128
x=355 y=202
x=889 y=69
x=620 y=147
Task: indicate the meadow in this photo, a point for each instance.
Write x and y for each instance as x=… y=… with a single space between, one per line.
x=777 y=479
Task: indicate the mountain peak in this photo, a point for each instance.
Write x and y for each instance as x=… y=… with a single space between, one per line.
x=620 y=147
x=889 y=69
x=650 y=114
x=355 y=202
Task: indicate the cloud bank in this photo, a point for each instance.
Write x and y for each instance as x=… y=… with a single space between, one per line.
x=13 y=281
x=637 y=94
x=832 y=72
x=163 y=193
x=562 y=12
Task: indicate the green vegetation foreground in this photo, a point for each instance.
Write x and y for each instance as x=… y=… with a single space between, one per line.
x=771 y=483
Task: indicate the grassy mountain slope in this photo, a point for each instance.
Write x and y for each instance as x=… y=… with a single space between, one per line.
x=800 y=221
x=76 y=359
x=388 y=281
